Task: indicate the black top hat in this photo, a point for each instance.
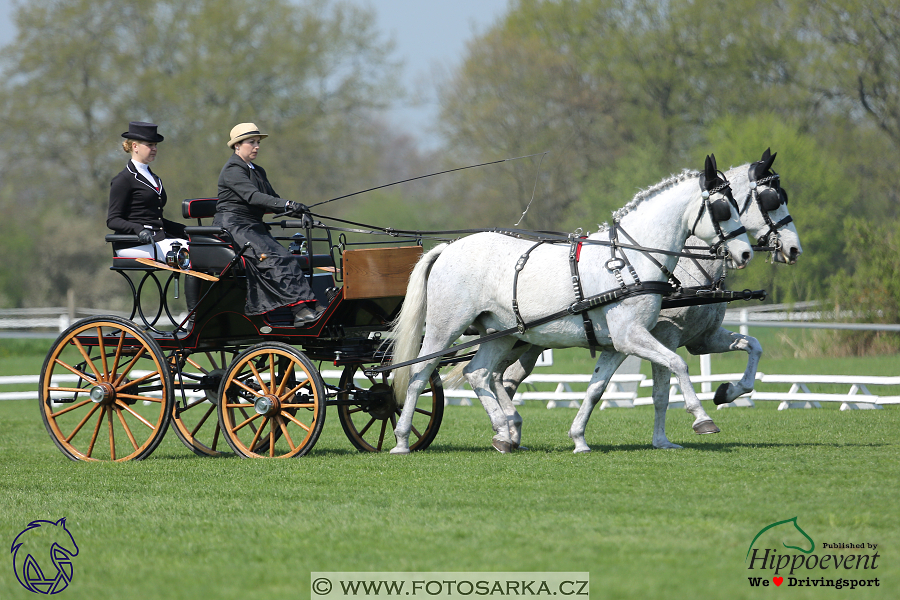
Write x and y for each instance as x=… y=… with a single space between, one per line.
x=146 y=132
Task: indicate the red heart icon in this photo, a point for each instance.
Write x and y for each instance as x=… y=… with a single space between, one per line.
x=778 y=580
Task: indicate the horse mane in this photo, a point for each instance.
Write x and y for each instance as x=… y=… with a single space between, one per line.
x=652 y=191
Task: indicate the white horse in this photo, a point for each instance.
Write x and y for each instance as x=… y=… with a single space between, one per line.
x=699 y=327
x=471 y=282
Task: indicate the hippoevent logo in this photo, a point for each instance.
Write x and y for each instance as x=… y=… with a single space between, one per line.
x=838 y=564
x=42 y=556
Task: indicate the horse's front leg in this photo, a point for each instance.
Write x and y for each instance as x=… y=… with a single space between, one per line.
x=632 y=338
x=724 y=340
x=661 y=407
x=606 y=366
x=669 y=335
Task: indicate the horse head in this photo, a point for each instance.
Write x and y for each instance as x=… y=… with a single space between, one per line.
x=718 y=217
x=765 y=211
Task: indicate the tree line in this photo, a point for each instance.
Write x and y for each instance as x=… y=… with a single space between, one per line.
x=620 y=92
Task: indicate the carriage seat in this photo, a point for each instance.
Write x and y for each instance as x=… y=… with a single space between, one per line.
x=212 y=247
x=121 y=263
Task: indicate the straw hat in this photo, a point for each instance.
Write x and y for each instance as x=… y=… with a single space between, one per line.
x=242 y=131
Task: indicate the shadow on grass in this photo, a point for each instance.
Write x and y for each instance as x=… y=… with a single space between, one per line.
x=732 y=446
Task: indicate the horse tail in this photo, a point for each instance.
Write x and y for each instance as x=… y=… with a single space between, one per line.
x=455 y=377
x=406 y=330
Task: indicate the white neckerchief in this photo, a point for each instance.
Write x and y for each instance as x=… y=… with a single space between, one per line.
x=144 y=170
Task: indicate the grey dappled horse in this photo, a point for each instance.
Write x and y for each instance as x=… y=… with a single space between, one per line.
x=470 y=282
x=765 y=214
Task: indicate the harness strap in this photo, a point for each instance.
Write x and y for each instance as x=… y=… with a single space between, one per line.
x=650 y=287
x=669 y=274
x=579 y=295
x=520 y=264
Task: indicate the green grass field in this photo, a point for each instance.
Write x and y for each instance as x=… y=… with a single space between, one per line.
x=644 y=523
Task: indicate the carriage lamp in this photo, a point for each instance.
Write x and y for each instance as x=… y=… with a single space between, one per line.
x=178 y=257
x=298 y=245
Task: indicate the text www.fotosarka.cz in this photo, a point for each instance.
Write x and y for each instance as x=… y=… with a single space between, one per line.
x=531 y=585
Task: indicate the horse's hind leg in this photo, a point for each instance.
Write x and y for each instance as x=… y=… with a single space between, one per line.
x=727 y=341
x=481 y=373
x=606 y=366
x=419 y=377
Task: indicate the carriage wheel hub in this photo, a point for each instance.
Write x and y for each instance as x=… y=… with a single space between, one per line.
x=103 y=393
x=381 y=401
x=267 y=405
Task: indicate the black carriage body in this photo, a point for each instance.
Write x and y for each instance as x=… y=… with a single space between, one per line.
x=134 y=376
x=349 y=330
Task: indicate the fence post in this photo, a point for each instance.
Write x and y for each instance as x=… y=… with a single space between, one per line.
x=705 y=370
x=745 y=318
x=70 y=302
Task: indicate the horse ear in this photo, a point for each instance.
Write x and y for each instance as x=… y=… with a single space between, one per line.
x=765 y=163
x=709 y=170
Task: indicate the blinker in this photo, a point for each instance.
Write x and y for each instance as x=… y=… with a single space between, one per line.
x=770 y=199
x=720 y=210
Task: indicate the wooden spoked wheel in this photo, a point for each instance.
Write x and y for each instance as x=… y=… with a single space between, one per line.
x=106 y=391
x=370 y=421
x=272 y=402
x=195 y=421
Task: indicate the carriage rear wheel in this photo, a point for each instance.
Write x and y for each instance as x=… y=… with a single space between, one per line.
x=271 y=402
x=106 y=391
x=195 y=421
x=370 y=423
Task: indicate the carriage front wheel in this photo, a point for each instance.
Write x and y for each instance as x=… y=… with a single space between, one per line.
x=106 y=391
x=271 y=402
x=369 y=412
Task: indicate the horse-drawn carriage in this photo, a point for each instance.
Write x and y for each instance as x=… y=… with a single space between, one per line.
x=110 y=386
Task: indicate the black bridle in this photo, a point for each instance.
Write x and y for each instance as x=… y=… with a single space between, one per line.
x=719 y=210
x=768 y=200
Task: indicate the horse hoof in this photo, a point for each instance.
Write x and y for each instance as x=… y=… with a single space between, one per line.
x=706 y=427
x=584 y=450
x=668 y=446
x=399 y=450
x=501 y=446
x=721 y=395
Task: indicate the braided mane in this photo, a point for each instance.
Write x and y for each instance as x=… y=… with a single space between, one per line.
x=663 y=185
x=642 y=195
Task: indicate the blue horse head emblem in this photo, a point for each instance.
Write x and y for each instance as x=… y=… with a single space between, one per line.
x=42 y=556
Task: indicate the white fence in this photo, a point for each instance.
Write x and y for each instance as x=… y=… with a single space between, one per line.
x=626 y=389
x=862 y=391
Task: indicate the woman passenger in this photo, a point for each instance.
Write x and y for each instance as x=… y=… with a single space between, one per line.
x=137 y=198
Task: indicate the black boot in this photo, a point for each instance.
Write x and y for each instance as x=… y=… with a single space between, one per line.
x=305 y=315
x=192 y=298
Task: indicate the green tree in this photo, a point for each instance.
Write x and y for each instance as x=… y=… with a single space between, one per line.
x=311 y=74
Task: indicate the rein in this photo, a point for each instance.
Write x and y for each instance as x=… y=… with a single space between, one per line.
x=545 y=236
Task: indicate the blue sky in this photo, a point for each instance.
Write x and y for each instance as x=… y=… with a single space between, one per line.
x=430 y=36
